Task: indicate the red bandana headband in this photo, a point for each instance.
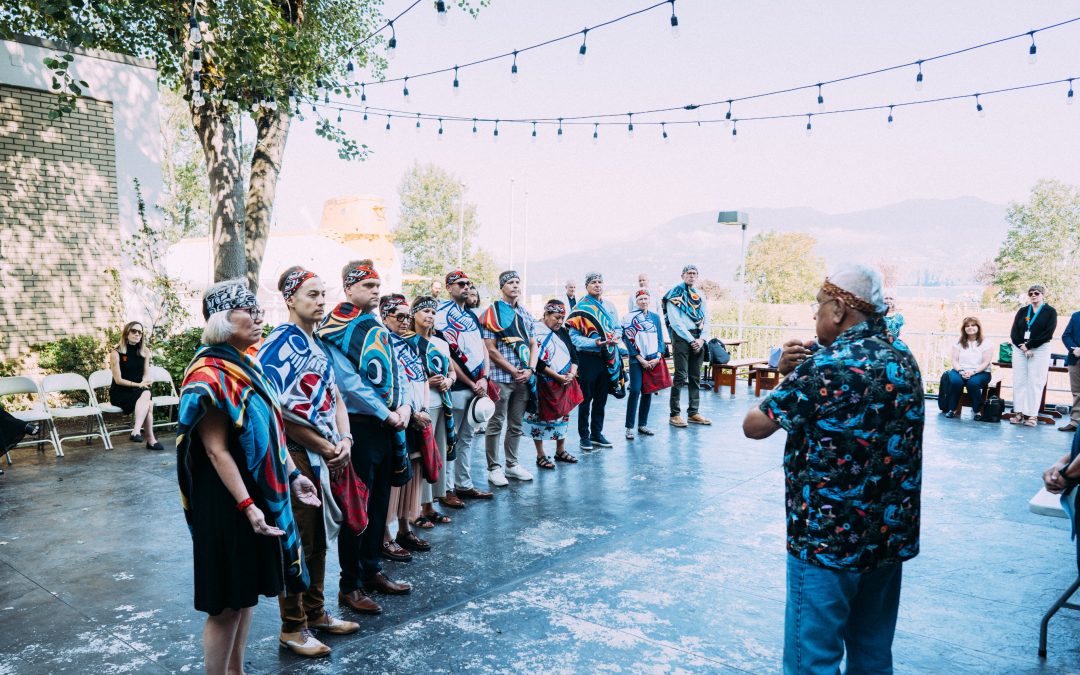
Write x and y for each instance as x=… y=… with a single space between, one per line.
x=294 y=281
x=358 y=274
x=849 y=298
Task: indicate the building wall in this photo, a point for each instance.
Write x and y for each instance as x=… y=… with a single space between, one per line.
x=67 y=198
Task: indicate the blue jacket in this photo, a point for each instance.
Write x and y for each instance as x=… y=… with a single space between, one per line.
x=1071 y=338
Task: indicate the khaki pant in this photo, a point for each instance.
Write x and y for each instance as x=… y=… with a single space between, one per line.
x=1074 y=386
x=297 y=611
x=510 y=408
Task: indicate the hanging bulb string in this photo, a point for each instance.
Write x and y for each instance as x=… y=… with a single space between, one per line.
x=729 y=101
x=389 y=22
x=568 y=121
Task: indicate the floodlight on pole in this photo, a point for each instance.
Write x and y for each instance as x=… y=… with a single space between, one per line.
x=740 y=219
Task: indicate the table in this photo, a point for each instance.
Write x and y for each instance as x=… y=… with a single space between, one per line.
x=765 y=377
x=706 y=372
x=1046 y=504
x=1046 y=416
x=726 y=374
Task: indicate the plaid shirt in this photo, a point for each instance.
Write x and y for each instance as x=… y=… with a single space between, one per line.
x=497 y=374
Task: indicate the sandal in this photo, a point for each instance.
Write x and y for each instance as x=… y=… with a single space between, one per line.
x=1031 y=422
x=423 y=522
x=1017 y=418
x=545 y=462
x=438 y=518
x=565 y=456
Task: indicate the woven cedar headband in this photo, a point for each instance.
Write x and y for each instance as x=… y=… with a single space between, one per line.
x=849 y=298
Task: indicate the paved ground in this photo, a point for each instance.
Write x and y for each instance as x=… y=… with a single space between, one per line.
x=660 y=555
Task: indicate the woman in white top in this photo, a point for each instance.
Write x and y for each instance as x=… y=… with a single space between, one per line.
x=971 y=367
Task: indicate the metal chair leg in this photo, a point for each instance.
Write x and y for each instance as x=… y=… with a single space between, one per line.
x=1063 y=601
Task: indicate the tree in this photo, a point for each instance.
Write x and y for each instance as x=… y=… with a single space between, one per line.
x=257 y=58
x=162 y=295
x=1042 y=245
x=428 y=227
x=781 y=268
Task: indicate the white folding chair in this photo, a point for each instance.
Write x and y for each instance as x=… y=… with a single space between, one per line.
x=159 y=374
x=10 y=386
x=99 y=379
x=72 y=382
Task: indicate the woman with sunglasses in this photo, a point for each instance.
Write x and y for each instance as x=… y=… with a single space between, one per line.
x=1032 y=329
x=130 y=390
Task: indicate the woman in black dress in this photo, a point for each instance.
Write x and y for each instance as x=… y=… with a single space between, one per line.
x=130 y=390
x=12 y=430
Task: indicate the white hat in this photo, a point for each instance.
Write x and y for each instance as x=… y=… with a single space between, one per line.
x=480 y=410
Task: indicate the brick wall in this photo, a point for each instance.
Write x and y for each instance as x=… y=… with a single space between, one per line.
x=59 y=225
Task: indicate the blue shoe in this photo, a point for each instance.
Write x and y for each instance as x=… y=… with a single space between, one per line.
x=586 y=444
x=601 y=442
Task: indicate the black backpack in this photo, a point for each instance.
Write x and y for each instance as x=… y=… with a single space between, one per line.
x=718 y=353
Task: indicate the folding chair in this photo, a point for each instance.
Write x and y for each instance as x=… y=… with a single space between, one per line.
x=99 y=379
x=37 y=413
x=72 y=382
x=159 y=374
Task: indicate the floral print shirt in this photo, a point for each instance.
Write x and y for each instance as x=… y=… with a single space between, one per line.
x=853 y=460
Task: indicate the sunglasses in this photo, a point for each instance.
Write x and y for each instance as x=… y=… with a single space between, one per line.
x=134 y=331
x=1032 y=293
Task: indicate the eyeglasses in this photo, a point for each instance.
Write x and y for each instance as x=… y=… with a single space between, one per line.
x=1034 y=293
x=256 y=312
x=815 y=307
x=400 y=317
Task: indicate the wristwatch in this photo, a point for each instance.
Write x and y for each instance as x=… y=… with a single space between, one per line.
x=349 y=436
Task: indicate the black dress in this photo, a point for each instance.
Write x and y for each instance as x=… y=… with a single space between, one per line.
x=132 y=369
x=12 y=430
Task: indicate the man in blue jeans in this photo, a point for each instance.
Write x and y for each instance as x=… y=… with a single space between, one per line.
x=852 y=404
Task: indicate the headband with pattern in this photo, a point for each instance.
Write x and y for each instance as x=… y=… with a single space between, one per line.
x=427 y=303
x=295 y=280
x=555 y=307
x=508 y=276
x=690 y=268
x=230 y=296
x=593 y=276
x=849 y=298
x=358 y=274
x=456 y=276
x=390 y=304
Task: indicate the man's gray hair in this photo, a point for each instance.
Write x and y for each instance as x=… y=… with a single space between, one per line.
x=861 y=281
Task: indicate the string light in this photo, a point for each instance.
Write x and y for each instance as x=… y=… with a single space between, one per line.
x=474 y=125
x=363 y=92
x=496 y=134
x=674 y=21
x=391 y=45
x=734 y=130
x=1033 y=50
x=326 y=98
x=443 y=15
x=196 y=60
x=918 y=77
x=197 y=100
x=388 y=123
x=1069 y=98
x=365 y=115
x=663 y=131
x=514 y=69
x=890 y=117
x=196 y=82
x=979 y=107
x=457 y=85
x=727 y=116
x=194 y=34
x=417 y=122
x=558 y=136
x=820 y=98
x=440 y=129
x=339 y=116
x=534 y=131
x=581 y=50
x=351 y=67
x=630 y=126
x=406 y=90
x=809 y=126
x=596 y=132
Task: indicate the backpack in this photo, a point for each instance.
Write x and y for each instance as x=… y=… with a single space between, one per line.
x=992 y=410
x=718 y=353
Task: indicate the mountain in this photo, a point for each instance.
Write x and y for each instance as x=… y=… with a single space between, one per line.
x=943 y=238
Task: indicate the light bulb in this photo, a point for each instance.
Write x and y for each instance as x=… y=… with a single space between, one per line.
x=272 y=104
x=674 y=21
x=194 y=34
x=197 y=100
x=514 y=73
x=391 y=47
x=919 y=77
x=664 y=134
x=890 y=117
x=388 y=123
x=596 y=134
x=196 y=60
x=443 y=15
x=1069 y=98
x=809 y=127
x=196 y=84
x=1033 y=51
x=440 y=136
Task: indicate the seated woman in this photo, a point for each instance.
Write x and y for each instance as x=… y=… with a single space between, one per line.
x=130 y=390
x=971 y=368
x=12 y=430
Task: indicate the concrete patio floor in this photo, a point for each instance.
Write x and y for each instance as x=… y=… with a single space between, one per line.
x=660 y=555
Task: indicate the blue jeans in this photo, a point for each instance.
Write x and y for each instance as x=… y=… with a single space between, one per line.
x=829 y=610
x=976 y=385
x=635 y=411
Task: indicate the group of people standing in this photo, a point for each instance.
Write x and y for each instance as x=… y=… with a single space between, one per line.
x=349 y=420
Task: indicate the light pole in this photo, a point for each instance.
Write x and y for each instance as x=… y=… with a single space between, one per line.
x=741 y=219
x=461 y=231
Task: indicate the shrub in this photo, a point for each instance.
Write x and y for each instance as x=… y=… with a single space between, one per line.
x=82 y=354
x=174 y=353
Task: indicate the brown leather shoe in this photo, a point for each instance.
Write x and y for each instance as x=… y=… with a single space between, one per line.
x=473 y=493
x=392 y=551
x=381 y=584
x=334 y=625
x=677 y=421
x=452 y=501
x=358 y=601
x=698 y=418
x=1071 y=426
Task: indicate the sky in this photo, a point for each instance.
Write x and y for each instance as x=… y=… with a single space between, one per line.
x=582 y=194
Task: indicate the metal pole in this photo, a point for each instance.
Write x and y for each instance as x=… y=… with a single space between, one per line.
x=461 y=231
x=511 y=265
x=742 y=280
x=525 y=253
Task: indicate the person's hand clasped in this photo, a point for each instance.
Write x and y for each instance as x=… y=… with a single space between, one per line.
x=342 y=453
x=258 y=522
x=436 y=381
x=794 y=353
x=305 y=491
x=522 y=375
x=421 y=421
x=479 y=387
x=1054 y=480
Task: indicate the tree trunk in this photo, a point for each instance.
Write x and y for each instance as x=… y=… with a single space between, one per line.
x=217 y=135
x=272 y=131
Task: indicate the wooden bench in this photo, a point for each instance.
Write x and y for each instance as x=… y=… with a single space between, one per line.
x=765 y=377
x=992 y=389
x=726 y=374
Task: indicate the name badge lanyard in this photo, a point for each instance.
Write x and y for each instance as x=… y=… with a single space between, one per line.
x=1031 y=319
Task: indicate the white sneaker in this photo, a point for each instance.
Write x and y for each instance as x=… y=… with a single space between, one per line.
x=519 y=472
x=497 y=478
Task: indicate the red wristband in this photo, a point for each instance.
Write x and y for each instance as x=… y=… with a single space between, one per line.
x=244 y=504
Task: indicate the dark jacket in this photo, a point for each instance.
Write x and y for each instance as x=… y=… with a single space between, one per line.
x=1042 y=328
x=1071 y=338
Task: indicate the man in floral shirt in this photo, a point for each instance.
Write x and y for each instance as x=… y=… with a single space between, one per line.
x=852 y=404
